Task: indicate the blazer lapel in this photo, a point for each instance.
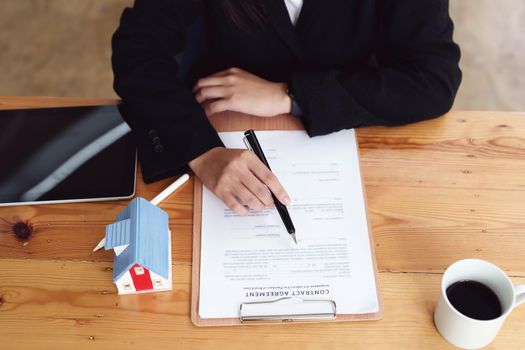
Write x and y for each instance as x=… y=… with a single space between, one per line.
x=280 y=20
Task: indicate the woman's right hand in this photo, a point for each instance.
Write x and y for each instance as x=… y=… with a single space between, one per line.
x=239 y=179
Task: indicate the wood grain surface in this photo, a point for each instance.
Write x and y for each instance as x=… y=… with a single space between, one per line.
x=437 y=191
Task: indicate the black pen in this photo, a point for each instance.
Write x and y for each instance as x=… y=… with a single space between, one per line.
x=253 y=144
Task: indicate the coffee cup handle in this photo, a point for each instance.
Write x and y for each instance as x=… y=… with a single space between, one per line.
x=520 y=294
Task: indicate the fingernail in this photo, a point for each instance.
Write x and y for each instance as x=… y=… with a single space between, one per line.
x=287 y=200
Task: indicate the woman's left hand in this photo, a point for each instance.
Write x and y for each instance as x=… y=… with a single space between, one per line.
x=239 y=91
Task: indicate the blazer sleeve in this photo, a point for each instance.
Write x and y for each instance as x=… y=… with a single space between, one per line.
x=169 y=126
x=416 y=76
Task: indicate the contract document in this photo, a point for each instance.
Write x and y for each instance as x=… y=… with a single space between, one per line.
x=252 y=258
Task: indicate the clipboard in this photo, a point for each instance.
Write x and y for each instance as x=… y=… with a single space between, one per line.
x=285 y=310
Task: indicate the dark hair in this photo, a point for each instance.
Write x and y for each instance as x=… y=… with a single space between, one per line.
x=244 y=12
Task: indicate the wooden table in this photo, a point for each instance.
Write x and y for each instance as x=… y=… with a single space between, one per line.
x=437 y=191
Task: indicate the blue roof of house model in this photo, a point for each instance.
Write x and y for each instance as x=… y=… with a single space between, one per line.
x=144 y=227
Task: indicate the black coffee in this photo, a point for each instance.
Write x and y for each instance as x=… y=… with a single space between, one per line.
x=474 y=299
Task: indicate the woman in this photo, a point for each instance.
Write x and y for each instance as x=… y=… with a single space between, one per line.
x=335 y=64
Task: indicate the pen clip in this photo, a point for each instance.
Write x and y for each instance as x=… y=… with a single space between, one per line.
x=247 y=143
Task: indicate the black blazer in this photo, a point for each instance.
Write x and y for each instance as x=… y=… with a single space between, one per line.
x=348 y=63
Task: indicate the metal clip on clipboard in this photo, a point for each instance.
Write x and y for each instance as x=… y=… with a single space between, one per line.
x=288 y=310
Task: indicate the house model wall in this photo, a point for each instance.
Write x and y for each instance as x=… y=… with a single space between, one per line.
x=141 y=240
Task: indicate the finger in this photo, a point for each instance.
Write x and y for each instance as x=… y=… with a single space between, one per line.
x=210 y=81
x=225 y=77
x=217 y=106
x=247 y=198
x=233 y=203
x=269 y=179
x=229 y=71
x=255 y=186
x=212 y=92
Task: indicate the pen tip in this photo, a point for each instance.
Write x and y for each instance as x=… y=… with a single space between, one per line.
x=294 y=238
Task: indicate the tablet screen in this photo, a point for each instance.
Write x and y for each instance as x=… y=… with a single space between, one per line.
x=65 y=154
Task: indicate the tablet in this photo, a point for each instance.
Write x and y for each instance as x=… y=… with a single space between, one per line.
x=70 y=154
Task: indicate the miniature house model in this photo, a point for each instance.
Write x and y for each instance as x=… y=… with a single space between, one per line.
x=141 y=240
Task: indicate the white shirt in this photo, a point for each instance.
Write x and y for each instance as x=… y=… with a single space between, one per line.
x=294 y=9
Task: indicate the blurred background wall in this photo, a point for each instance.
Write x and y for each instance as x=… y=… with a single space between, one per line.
x=62 y=48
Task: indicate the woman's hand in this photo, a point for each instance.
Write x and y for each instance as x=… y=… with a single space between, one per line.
x=239 y=179
x=239 y=91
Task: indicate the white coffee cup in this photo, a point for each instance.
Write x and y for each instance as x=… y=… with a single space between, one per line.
x=463 y=331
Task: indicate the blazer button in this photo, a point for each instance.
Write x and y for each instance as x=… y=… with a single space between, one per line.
x=158 y=148
x=156 y=140
x=152 y=133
